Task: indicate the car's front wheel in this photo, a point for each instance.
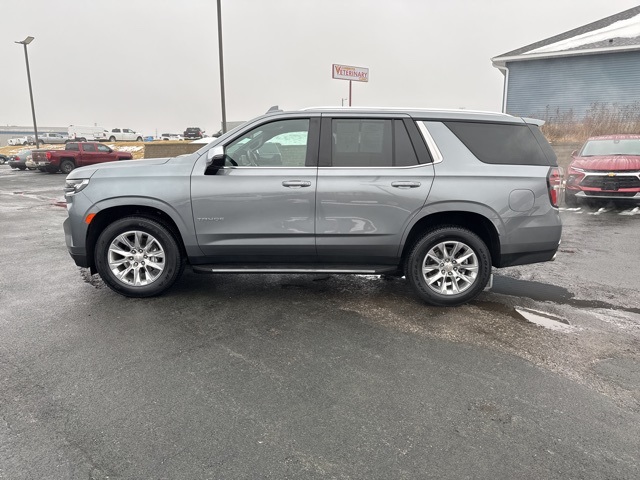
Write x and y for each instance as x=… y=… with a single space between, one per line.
x=448 y=266
x=112 y=139
x=138 y=257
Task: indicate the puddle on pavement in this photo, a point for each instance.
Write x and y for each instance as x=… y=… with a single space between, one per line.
x=544 y=319
x=548 y=293
x=537 y=317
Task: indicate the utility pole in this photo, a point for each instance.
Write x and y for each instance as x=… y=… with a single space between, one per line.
x=26 y=42
x=222 y=101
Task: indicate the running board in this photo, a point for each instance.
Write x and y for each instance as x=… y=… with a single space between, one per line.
x=310 y=268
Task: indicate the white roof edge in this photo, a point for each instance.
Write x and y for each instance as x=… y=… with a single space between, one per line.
x=407 y=109
x=500 y=61
x=533 y=121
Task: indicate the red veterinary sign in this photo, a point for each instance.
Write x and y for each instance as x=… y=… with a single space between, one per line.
x=346 y=72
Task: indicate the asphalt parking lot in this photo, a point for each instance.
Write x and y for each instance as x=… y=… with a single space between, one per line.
x=277 y=376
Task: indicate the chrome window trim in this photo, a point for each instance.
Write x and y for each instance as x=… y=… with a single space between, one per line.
x=232 y=167
x=431 y=143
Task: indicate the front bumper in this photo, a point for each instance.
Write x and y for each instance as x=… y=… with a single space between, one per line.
x=77 y=252
x=606 y=195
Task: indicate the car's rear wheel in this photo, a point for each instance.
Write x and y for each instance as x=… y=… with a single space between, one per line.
x=112 y=139
x=22 y=168
x=139 y=139
x=66 y=166
x=448 y=266
x=138 y=257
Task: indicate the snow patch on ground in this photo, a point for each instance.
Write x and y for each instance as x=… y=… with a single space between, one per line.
x=130 y=149
x=635 y=211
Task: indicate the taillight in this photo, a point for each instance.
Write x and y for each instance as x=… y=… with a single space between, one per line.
x=48 y=154
x=554 y=183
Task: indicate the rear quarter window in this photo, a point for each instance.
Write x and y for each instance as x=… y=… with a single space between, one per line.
x=504 y=144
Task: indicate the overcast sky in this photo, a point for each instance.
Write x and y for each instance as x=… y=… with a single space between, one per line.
x=153 y=64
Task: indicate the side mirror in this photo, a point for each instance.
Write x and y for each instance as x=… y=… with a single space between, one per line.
x=574 y=153
x=215 y=156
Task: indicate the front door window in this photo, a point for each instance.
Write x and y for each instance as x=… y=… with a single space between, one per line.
x=276 y=144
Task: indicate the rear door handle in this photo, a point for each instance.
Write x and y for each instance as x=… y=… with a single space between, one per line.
x=296 y=183
x=405 y=184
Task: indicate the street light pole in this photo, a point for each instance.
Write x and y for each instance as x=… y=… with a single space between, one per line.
x=224 y=109
x=26 y=42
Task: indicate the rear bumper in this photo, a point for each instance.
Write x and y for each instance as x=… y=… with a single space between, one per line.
x=513 y=259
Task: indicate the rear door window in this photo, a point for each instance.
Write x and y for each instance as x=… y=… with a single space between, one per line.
x=371 y=143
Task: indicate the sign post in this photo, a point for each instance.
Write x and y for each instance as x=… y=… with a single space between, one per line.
x=346 y=72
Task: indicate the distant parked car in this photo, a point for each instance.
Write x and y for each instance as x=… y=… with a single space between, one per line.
x=123 y=135
x=606 y=168
x=23 y=140
x=193 y=133
x=76 y=154
x=52 y=138
x=19 y=160
x=171 y=136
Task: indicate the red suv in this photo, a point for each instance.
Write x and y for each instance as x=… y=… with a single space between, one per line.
x=606 y=168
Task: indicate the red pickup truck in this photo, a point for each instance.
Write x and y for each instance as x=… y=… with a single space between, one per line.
x=76 y=154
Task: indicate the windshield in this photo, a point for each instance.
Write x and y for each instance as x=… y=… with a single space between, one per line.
x=629 y=146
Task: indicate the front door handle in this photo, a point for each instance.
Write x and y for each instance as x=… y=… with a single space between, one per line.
x=405 y=184
x=296 y=183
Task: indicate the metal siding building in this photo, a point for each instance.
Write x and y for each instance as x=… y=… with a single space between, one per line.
x=538 y=88
x=598 y=63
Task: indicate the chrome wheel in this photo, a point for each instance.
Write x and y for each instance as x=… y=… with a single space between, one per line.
x=136 y=258
x=450 y=268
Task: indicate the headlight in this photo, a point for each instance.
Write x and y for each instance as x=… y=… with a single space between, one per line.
x=75 y=186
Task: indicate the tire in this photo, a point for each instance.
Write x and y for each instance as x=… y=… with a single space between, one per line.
x=22 y=168
x=82 y=139
x=136 y=279
x=460 y=250
x=24 y=144
x=139 y=139
x=31 y=168
x=112 y=139
x=66 y=166
x=570 y=200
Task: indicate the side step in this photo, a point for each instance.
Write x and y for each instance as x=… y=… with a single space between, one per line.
x=298 y=268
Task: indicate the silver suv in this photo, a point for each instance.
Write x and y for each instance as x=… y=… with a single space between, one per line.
x=437 y=196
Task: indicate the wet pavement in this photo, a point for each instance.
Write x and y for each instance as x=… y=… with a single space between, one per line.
x=292 y=376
